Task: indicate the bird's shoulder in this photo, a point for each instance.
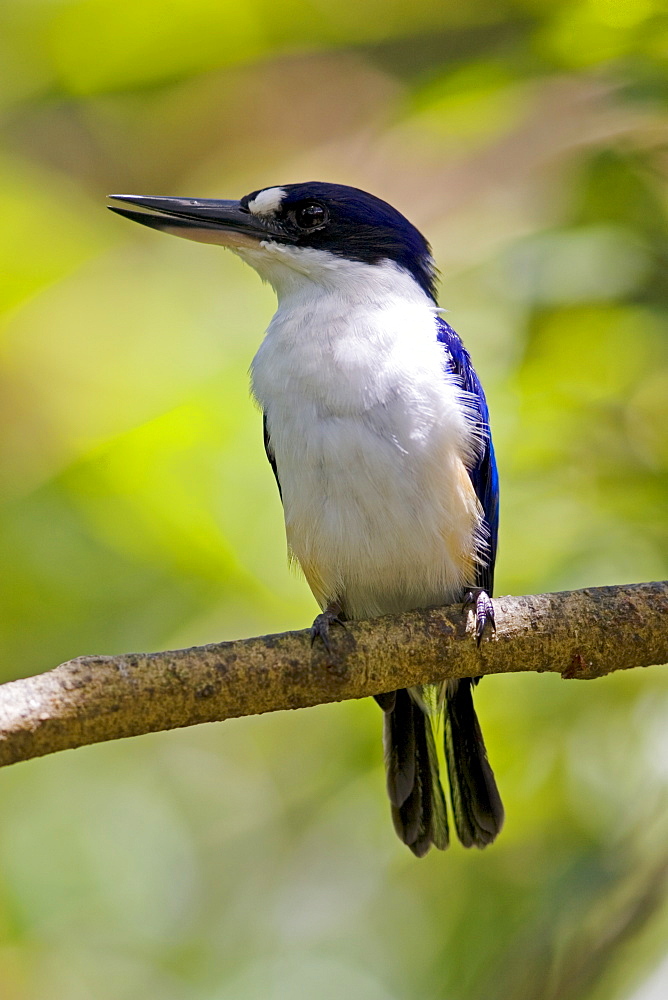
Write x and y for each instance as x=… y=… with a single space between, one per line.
x=460 y=363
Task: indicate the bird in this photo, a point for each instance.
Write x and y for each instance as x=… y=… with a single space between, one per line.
x=377 y=430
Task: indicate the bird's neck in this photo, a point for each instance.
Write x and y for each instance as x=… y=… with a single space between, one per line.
x=305 y=277
x=347 y=346
x=374 y=314
x=349 y=300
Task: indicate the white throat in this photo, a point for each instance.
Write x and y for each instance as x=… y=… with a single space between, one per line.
x=306 y=273
x=345 y=333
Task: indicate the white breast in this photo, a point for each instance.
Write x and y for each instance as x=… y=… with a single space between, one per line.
x=370 y=436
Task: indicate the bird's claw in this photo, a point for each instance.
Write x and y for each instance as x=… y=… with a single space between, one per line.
x=320 y=627
x=483 y=609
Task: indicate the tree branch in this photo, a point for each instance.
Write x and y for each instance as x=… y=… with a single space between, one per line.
x=579 y=634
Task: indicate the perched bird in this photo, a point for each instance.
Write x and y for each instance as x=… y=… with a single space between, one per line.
x=377 y=430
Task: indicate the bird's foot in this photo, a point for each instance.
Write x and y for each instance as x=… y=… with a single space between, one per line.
x=481 y=602
x=320 y=627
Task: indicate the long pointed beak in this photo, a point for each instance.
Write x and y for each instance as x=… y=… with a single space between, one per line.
x=206 y=220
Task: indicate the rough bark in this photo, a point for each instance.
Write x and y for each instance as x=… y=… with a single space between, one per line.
x=578 y=634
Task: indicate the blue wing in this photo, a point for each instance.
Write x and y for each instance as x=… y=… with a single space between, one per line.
x=483 y=473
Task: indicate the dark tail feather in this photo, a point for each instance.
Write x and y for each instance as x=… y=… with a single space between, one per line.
x=416 y=796
x=475 y=798
x=386 y=701
x=400 y=750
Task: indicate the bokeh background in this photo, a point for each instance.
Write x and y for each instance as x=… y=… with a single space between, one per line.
x=255 y=860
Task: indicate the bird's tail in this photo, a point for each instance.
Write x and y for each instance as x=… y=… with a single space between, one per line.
x=476 y=802
x=416 y=796
x=411 y=724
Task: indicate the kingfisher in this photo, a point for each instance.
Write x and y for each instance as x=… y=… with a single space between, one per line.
x=377 y=430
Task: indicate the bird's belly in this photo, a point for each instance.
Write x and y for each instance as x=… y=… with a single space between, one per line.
x=380 y=520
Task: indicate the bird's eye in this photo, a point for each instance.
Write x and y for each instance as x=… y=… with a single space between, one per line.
x=310 y=215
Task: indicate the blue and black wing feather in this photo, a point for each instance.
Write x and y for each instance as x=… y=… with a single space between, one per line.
x=482 y=471
x=475 y=798
x=269 y=451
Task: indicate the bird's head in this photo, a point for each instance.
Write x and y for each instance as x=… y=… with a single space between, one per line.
x=327 y=234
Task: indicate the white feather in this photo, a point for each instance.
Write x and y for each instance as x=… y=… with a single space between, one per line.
x=267 y=202
x=369 y=433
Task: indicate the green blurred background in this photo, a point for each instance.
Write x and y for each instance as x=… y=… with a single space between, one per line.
x=255 y=860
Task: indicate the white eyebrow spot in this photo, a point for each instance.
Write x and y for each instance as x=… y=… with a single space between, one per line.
x=267 y=201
